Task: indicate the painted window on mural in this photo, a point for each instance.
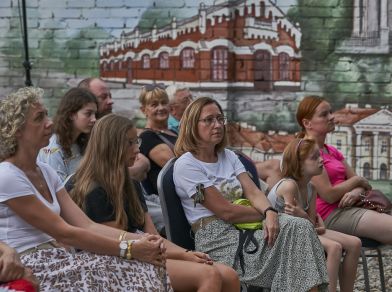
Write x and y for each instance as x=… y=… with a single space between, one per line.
x=146 y=62
x=383 y=171
x=164 y=60
x=366 y=170
x=219 y=63
x=367 y=145
x=284 y=66
x=339 y=144
x=188 y=58
x=384 y=146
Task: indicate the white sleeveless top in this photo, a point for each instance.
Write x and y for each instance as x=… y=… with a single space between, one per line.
x=278 y=201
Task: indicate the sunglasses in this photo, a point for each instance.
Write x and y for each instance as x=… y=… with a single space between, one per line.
x=150 y=87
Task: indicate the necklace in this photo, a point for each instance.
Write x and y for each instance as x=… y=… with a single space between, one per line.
x=38 y=180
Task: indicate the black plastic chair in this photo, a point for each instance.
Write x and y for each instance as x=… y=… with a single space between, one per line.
x=249 y=166
x=178 y=230
x=372 y=245
x=177 y=227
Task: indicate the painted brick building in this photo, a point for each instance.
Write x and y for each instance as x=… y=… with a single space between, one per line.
x=243 y=43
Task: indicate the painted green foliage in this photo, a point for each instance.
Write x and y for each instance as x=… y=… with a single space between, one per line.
x=341 y=77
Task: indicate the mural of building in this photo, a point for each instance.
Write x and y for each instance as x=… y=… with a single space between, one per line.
x=372 y=28
x=364 y=137
x=241 y=43
x=257 y=145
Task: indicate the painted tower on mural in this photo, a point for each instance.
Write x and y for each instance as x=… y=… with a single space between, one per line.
x=372 y=28
x=247 y=44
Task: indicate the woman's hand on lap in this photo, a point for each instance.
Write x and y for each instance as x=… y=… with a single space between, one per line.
x=150 y=249
x=198 y=257
x=11 y=267
x=271 y=228
x=349 y=199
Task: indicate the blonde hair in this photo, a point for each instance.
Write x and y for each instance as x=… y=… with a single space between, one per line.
x=104 y=164
x=188 y=136
x=147 y=96
x=13 y=113
x=293 y=156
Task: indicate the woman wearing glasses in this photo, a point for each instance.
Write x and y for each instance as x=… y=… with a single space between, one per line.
x=73 y=122
x=105 y=193
x=285 y=255
x=38 y=217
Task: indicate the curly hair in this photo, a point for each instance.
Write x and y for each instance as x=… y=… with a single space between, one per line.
x=72 y=101
x=13 y=112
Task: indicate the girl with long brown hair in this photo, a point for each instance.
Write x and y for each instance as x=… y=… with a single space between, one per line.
x=73 y=122
x=296 y=196
x=107 y=195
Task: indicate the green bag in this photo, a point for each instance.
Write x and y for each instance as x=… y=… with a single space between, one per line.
x=250 y=225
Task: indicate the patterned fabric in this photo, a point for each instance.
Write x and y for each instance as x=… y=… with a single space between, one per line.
x=296 y=262
x=54 y=156
x=60 y=270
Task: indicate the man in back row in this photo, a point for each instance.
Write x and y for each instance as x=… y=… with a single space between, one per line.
x=179 y=99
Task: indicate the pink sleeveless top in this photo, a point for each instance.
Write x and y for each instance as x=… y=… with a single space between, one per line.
x=333 y=164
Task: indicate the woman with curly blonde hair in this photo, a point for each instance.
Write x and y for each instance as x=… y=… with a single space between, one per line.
x=73 y=122
x=110 y=259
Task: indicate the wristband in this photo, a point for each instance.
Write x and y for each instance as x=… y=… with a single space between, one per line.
x=269 y=209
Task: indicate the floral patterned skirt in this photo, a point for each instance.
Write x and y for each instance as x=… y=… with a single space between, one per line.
x=60 y=270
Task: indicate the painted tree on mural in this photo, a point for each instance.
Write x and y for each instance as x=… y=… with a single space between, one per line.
x=342 y=78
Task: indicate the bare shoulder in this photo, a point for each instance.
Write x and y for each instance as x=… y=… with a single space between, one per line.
x=288 y=186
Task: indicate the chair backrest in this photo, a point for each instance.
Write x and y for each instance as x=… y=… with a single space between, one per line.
x=177 y=227
x=249 y=166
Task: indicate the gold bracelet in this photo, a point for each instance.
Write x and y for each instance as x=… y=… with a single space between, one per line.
x=122 y=235
x=129 y=249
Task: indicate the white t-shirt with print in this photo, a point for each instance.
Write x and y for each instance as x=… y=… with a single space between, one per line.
x=14 y=231
x=189 y=172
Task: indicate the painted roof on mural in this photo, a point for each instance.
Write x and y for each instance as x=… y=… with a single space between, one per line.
x=161 y=18
x=246 y=137
x=350 y=115
x=382 y=119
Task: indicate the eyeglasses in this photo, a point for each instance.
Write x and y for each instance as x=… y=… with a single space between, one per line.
x=137 y=141
x=212 y=120
x=151 y=87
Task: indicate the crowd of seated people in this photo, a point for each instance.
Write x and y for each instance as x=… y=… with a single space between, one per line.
x=108 y=220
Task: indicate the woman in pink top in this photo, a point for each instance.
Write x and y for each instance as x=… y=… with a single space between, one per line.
x=338 y=186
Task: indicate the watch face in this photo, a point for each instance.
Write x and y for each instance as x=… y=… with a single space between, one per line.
x=123 y=245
